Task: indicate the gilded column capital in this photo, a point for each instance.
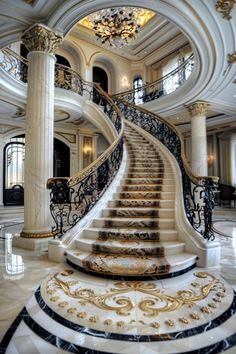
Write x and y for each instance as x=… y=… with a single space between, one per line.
x=41 y=38
x=225 y=7
x=197 y=109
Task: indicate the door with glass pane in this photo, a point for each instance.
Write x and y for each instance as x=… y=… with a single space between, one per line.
x=13 y=188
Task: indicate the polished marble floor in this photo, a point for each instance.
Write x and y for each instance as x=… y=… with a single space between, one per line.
x=116 y=315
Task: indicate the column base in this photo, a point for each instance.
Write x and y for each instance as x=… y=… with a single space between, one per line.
x=37 y=235
x=33 y=244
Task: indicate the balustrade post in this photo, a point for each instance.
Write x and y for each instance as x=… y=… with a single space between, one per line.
x=41 y=42
x=198 y=138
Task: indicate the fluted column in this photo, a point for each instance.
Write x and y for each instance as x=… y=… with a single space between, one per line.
x=41 y=42
x=198 y=138
x=2 y=144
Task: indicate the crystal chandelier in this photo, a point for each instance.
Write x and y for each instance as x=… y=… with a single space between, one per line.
x=115 y=27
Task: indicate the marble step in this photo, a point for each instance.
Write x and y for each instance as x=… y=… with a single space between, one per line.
x=134 y=222
x=150 y=175
x=130 y=247
x=130 y=265
x=164 y=235
x=141 y=159
x=139 y=203
x=144 y=155
x=138 y=212
x=150 y=170
x=147 y=181
x=158 y=163
x=145 y=187
x=144 y=195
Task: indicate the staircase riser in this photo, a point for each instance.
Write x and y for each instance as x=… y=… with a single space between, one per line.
x=154 y=188
x=141 y=203
x=122 y=234
x=149 y=175
x=147 y=181
x=138 y=213
x=152 y=224
x=171 y=269
x=144 y=195
x=129 y=248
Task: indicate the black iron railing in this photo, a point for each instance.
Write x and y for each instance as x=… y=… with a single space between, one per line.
x=162 y=87
x=198 y=192
x=73 y=197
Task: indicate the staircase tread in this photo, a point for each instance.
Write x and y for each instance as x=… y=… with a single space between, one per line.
x=131 y=229
x=134 y=243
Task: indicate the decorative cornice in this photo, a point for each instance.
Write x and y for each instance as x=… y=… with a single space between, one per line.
x=225 y=7
x=198 y=109
x=41 y=38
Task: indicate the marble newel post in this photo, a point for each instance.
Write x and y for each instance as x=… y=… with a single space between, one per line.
x=198 y=138
x=41 y=42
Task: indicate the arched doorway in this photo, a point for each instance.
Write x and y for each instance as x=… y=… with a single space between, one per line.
x=61 y=163
x=100 y=76
x=13 y=168
x=13 y=171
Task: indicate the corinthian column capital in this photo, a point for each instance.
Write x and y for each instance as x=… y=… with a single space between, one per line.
x=41 y=38
x=198 y=109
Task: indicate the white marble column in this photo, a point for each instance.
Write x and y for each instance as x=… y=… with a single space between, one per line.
x=2 y=144
x=198 y=138
x=41 y=43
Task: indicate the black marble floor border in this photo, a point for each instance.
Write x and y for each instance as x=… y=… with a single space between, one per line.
x=132 y=278
x=132 y=337
x=60 y=343
x=10 y=332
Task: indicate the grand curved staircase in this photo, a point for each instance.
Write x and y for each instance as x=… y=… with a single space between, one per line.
x=136 y=233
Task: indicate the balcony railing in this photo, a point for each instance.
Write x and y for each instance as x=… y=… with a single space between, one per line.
x=159 y=88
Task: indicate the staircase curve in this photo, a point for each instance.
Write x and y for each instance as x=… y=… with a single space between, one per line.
x=136 y=234
x=156 y=220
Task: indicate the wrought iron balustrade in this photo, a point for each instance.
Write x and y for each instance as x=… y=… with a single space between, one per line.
x=17 y=66
x=198 y=192
x=71 y=198
x=159 y=88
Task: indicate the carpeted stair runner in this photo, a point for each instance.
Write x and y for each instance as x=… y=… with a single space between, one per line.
x=135 y=236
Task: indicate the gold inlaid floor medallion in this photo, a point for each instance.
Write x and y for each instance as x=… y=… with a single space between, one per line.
x=141 y=307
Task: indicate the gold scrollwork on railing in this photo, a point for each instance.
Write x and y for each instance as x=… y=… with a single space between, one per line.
x=225 y=7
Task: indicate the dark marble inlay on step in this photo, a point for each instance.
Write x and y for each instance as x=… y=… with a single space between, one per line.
x=148 y=175
x=128 y=235
x=140 y=195
x=133 y=213
x=128 y=250
x=142 y=188
x=136 y=224
x=137 y=203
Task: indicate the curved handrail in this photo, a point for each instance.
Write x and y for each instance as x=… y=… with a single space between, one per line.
x=198 y=191
x=157 y=89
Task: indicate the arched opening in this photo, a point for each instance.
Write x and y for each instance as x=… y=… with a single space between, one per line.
x=100 y=76
x=138 y=93
x=62 y=60
x=13 y=168
x=61 y=163
x=13 y=171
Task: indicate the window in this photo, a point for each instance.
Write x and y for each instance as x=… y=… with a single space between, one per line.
x=138 y=90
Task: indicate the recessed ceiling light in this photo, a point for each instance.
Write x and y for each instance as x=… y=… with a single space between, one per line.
x=234 y=95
